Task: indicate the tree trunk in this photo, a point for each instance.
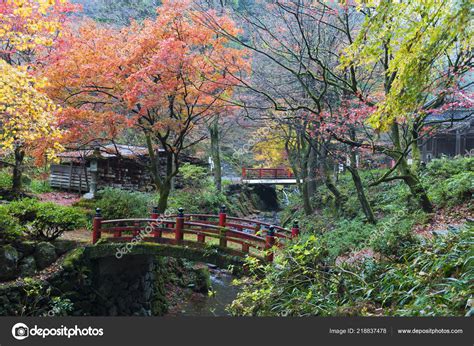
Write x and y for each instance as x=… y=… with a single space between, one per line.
x=411 y=178
x=415 y=152
x=162 y=184
x=418 y=191
x=166 y=184
x=18 y=171
x=164 y=195
x=339 y=198
x=308 y=209
x=215 y=152
x=364 y=203
x=312 y=170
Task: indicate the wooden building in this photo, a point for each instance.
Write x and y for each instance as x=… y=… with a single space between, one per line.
x=455 y=135
x=115 y=165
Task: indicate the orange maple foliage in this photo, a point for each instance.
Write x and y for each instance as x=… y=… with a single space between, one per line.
x=161 y=75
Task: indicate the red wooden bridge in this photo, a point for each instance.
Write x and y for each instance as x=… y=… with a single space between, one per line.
x=268 y=176
x=236 y=236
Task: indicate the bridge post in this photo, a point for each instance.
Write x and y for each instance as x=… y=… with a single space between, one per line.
x=269 y=243
x=97 y=224
x=223 y=223
x=154 y=215
x=178 y=231
x=244 y=172
x=223 y=216
x=295 y=230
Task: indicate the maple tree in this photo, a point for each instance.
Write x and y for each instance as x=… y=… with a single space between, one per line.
x=400 y=60
x=29 y=26
x=422 y=50
x=161 y=76
x=27 y=116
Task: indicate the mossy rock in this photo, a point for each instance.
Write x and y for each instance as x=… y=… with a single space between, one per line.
x=9 y=258
x=45 y=254
x=73 y=258
x=202 y=280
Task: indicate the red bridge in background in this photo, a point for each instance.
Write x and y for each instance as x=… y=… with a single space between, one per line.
x=282 y=176
x=235 y=236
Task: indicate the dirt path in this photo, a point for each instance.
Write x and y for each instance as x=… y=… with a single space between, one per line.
x=61 y=198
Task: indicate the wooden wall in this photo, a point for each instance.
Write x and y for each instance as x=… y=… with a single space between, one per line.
x=69 y=177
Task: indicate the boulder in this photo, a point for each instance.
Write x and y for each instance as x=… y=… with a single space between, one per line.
x=63 y=246
x=45 y=254
x=27 y=266
x=26 y=247
x=8 y=262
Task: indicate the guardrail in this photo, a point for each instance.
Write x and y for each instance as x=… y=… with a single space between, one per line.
x=267 y=173
x=238 y=236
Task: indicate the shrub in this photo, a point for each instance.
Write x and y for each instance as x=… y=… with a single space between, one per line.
x=53 y=220
x=347 y=235
x=46 y=220
x=453 y=190
x=440 y=169
x=431 y=279
x=393 y=236
x=121 y=204
x=10 y=227
x=39 y=186
x=193 y=175
x=5 y=180
x=204 y=200
x=24 y=209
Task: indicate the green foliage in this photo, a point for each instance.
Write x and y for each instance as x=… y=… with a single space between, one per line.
x=5 y=180
x=53 y=220
x=10 y=227
x=46 y=220
x=60 y=306
x=443 y=168
x=193 y=175
x=431 y=279
x=39 y=186
x=454 y=190
x=393 y=235
x=418 y=36
x=297 y=287
x=24 y=210
x=31 y=185
x=204 y=200
x=348 y=235
x=450 y=181
x=121 y=204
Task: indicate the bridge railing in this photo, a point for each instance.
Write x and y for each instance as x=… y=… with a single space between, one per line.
x=238 y=237
x=267 y=173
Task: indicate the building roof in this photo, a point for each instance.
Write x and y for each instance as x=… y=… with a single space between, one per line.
x=108 y=151
x=464 y=114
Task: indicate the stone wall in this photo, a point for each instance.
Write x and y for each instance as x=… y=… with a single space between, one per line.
x=134 y=285
x=23 y=259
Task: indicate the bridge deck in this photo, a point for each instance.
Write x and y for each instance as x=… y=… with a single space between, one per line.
x=270 y=181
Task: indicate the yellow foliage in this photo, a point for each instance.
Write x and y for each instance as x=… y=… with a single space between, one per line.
x=26 y=115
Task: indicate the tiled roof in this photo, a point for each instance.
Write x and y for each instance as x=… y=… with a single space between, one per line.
x=108 y=151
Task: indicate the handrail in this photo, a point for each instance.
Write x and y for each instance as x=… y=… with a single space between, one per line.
x=183 y=225
x=247 y=221
x=267 y=173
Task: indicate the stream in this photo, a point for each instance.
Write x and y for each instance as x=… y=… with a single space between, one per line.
x=224 y=293
x=214 y=304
